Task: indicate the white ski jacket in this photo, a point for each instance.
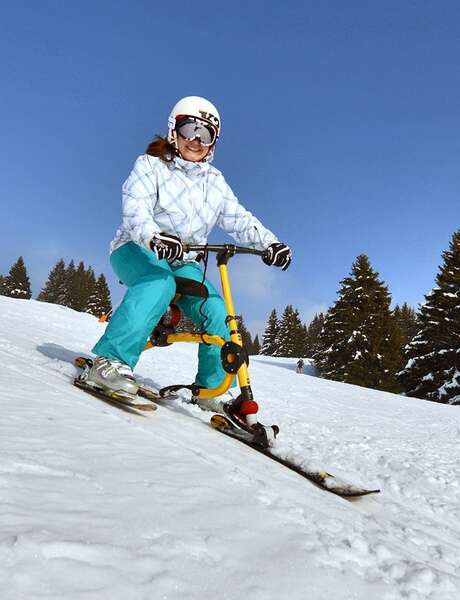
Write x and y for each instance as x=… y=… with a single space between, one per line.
x=185 y=199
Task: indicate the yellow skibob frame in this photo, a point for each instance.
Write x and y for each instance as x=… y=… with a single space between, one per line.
x=224 y=253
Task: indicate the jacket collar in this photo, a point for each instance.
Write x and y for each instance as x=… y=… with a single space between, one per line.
x=193 y=169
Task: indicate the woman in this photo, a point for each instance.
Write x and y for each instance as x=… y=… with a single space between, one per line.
x=173 y=196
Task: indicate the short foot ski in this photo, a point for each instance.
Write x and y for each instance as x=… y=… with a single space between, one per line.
x=113 y=397
x=324 y=480
x=143 y=391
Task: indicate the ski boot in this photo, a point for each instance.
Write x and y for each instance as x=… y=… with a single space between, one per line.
x=112 y=377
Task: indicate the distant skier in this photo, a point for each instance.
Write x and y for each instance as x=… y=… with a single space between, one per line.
x=173 y=196
x=299 y=367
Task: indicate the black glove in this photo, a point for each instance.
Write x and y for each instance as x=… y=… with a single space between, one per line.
x=168 y=246
x=278 y=255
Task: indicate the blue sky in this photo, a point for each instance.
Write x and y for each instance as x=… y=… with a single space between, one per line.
x=340 y=131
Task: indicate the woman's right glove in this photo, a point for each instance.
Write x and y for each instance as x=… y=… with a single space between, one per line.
x=278 y=255
x=168 y=246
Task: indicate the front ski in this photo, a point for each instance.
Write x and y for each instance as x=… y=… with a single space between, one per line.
x=324 y=480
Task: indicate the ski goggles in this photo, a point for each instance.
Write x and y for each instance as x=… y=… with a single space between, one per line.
x=191 y=128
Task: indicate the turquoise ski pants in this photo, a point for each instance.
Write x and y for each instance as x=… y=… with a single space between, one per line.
x=151 y=287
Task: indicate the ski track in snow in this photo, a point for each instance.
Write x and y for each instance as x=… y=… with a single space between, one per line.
x=96 y=503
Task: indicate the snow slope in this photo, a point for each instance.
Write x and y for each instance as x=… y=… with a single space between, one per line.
x=99 y=504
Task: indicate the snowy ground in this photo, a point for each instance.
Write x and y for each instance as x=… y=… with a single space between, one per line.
x=99 y=504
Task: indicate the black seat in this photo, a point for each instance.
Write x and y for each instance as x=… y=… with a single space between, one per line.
x=190 y=287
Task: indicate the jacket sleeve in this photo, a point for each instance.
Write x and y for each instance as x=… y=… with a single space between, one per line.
x=139 y=199
x=238 y=222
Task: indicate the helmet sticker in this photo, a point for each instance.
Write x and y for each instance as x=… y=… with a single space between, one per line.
x=210 y=117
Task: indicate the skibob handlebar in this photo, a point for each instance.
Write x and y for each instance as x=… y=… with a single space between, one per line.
x=227 y=250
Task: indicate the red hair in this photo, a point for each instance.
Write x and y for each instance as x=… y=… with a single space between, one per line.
x=162 y=149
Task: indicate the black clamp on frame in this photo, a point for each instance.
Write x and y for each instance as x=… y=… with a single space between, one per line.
x=224 y=256
x=159 y=336
x=236 y=318
x=238 y=355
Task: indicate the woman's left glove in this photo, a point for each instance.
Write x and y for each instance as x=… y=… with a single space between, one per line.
x=278 y=255
x=168 y=246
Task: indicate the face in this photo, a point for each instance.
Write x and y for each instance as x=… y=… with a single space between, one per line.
x=192 y=150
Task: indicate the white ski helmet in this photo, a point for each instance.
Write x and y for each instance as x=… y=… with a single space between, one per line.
x=193 y=106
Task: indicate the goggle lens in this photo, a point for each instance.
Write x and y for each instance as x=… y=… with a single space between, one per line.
x=191 y=128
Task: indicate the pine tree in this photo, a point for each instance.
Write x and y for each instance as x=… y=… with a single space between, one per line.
x=304 y=340
x=92 y=299
x=407 y=321
x=80 y=283
x=17 y=284
x=80 y=288
x=291 y=334
x=270 y=336
x=5 y=285
x=360 y=342
x=103 y=296
x=312 y=335
x=256 y=345
x=433 y=356
x=70 y=285
x=55 y=289
x=246 y=336
x=299 y=333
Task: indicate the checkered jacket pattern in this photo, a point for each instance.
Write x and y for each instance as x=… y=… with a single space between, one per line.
x=186 y=199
